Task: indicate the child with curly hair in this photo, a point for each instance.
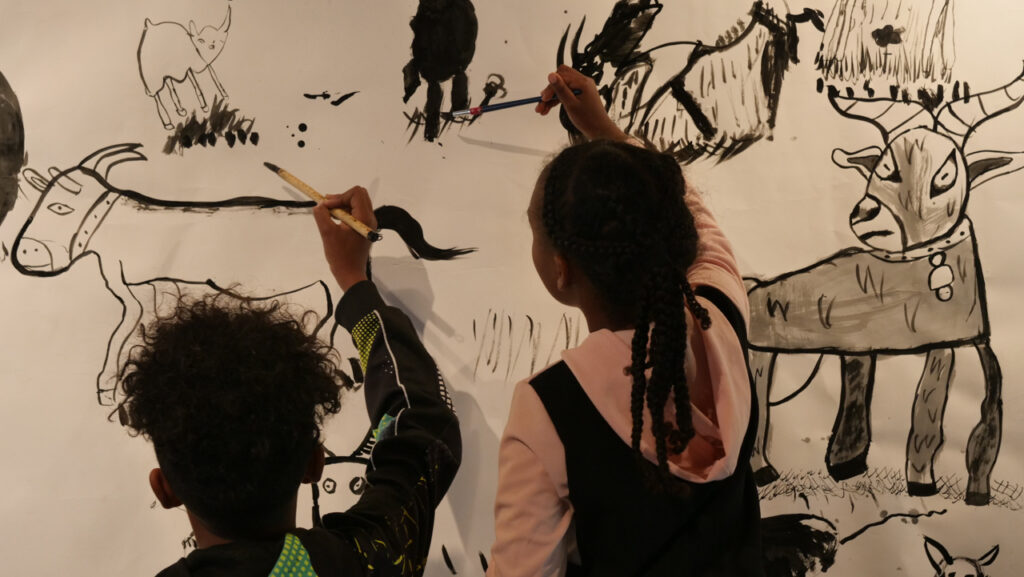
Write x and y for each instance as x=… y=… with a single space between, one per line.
x=233 y=397
x=630 y=456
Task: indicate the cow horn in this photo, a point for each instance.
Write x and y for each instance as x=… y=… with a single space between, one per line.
x=960 y=118
x=892 y=117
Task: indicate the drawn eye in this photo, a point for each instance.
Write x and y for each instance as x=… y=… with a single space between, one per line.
x=60 y=208
x=887 y=169
x=946 y=177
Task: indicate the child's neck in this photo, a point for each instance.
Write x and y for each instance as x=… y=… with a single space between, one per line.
x=206 y=538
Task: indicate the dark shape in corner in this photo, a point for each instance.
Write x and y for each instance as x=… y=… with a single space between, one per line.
x=443 y=44
x=223 y=122
x=797 y=545
x=12 y=147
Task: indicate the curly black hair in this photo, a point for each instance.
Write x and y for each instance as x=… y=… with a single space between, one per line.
x=617 y=211
x=233 y=396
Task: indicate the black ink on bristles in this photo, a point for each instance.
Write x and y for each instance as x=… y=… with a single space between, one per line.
x=448 y=560
x=483 y=561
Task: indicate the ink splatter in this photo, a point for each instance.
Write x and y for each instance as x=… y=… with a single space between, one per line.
x=343 y=98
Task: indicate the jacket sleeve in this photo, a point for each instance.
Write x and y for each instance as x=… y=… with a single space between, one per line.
x=715 y=264
x=417 y=447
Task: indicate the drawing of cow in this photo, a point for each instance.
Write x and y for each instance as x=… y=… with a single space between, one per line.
x=948 y=566
x=140 y=242
x=169 y=54
x=917 y=287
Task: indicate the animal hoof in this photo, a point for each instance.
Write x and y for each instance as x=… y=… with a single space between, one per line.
x=977 y=499
x=921 y=489
x=842 y=471
x=765 y=476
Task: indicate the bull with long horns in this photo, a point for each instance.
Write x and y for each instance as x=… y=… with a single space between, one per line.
x=917 y=287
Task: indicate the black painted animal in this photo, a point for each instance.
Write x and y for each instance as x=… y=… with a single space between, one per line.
x=443 y=44
x=12 y=147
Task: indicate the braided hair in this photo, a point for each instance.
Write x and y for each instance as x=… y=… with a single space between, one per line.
x=617 y=212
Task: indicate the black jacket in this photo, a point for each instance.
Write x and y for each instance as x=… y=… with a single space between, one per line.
x=418 y=451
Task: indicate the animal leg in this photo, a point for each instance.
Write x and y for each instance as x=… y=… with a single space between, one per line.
x=411 y=74
x=433 y=111
x=106 y=381
x=460 y=91
x=762 y=368
x=983 y=445
x=169 y=85
x=161 y=110
x=851 y=434
x=199 y=91
x=216 y=82
x=926 y=436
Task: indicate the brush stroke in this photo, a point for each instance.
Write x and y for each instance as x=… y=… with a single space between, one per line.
x=222 y=122
x=946 y=565
x=514 y=347
x=12 y=147
x=170 y=53
x=79 y=215
x=798 y=545
x=885 y=519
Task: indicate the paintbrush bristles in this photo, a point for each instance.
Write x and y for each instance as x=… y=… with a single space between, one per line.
x=356 y=225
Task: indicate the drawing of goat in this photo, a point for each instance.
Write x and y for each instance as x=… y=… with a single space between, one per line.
x=169 y=54
x=723 y=100
x=916 y=288
x=948 y=566
x=140 y=241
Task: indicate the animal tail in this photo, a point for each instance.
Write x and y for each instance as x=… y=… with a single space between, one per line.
x=797 y=545
x=409 y=229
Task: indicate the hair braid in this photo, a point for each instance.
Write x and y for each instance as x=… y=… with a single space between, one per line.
x=618 y=212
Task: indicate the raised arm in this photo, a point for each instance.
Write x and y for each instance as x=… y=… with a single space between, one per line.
x=418 y=445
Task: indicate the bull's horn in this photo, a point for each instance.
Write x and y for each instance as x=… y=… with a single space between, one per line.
x=892 y=117
x=110 y=156
x=226 y=24
x=960 y=118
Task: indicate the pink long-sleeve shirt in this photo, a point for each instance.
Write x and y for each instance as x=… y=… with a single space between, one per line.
x=534 y=535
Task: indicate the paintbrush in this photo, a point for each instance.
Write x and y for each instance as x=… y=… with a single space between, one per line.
x=356 y=225
x=478 y=110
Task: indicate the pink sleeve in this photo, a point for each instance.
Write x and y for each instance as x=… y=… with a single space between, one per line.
x=715 y=264
x=532 y=513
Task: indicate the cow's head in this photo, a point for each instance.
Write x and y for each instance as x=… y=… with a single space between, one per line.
x=919 y=184
x=70 y=206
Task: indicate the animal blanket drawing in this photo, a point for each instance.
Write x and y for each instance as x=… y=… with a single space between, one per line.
x=139 y=241
x=917 y=287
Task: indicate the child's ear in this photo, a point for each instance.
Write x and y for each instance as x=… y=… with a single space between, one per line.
x=163 y=490
x=315 y=467
x=563 y=273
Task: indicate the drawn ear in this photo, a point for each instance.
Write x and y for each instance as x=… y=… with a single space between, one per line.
x=986 y=165
x=989 y=557
x=863 y=161
x=937 y=554
x=37 y=180
x=192 y=30
x=227 y=22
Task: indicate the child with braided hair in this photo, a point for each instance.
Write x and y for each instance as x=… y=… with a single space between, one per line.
x=630 y=456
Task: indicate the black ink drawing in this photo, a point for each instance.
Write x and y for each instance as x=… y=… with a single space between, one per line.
x=12 y=147
x=913 y=516
x=517 y=347
x=335 y=99
x=169 y=54
x=906 y=46
x=948 y=566
x=443 y=44
x=916 y=288
x=722 y=101
x=79 y=215
x=222 y=122
x=493 y=88
x=797 y=545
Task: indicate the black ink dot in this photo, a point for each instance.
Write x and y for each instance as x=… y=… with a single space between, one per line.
x=254 y=138
x=303 y=127
x=302 y=144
